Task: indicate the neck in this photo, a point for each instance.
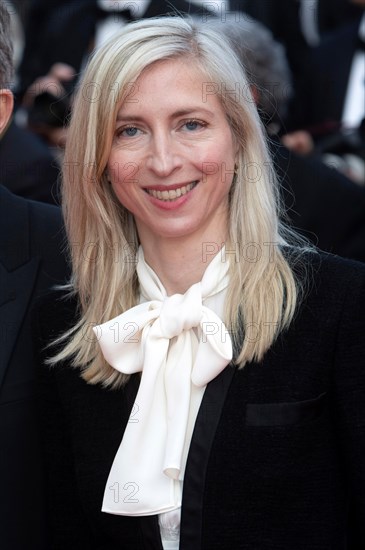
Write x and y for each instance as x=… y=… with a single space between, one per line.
x=180 y=265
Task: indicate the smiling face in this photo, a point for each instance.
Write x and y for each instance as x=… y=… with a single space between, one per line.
x=172 y=159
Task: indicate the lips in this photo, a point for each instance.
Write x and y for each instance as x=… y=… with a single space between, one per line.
x=171 y=194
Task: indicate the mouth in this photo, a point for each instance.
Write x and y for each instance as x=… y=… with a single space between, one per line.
x=169 y=195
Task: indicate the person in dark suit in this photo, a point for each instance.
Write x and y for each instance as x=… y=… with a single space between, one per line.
x=320 y=104
x=50 y=22
x=327 y=207
x=44 y=90
x=206 y=385
x=31 y=262
x=327 y=115
x=330 y=73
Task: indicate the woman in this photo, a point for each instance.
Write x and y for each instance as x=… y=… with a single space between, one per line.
x=220 y=400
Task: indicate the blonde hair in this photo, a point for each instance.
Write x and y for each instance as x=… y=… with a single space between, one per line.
x=102 y=234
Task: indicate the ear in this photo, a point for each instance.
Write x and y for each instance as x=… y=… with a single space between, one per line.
x=6 y=107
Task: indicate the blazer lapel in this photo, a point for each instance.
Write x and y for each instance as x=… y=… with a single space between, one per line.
x=205 y=428
x=15 y=292
x=194 y=479
x=17 y=271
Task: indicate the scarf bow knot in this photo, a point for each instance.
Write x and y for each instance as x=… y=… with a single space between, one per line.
x=181 y=312
x=178 y=353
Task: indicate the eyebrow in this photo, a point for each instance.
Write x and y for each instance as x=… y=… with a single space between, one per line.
x=176 y=114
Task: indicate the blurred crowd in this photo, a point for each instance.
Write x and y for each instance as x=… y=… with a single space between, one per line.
x=306 y=63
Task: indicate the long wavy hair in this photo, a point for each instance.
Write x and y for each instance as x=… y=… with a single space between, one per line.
x=263 y=291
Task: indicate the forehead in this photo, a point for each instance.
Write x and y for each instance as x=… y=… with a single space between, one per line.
x=180 y=69
x=172 y=83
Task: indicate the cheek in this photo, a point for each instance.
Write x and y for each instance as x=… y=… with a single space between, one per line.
x=122 y=178
x=123 y=172
x=125 y=196
x=219 y=161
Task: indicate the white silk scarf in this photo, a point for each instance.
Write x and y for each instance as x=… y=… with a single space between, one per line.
x=180 y=345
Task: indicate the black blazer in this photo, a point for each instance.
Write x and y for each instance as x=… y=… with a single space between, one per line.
x=277 y=456
x=31 y=240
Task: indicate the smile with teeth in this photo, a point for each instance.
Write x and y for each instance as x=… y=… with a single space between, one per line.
x=173 y=194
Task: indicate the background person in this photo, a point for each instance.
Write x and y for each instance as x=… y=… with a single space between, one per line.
x=31 y=262
x=50 y=66
x=27 y=166
x=327 y=207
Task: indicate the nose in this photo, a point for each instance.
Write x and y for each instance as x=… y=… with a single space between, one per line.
x=163 y=157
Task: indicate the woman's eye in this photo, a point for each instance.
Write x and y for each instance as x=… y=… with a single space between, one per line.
x=130 y=131
x=193 y=125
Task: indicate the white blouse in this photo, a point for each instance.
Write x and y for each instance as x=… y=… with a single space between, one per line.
x=180 y=344
x=169 y=524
